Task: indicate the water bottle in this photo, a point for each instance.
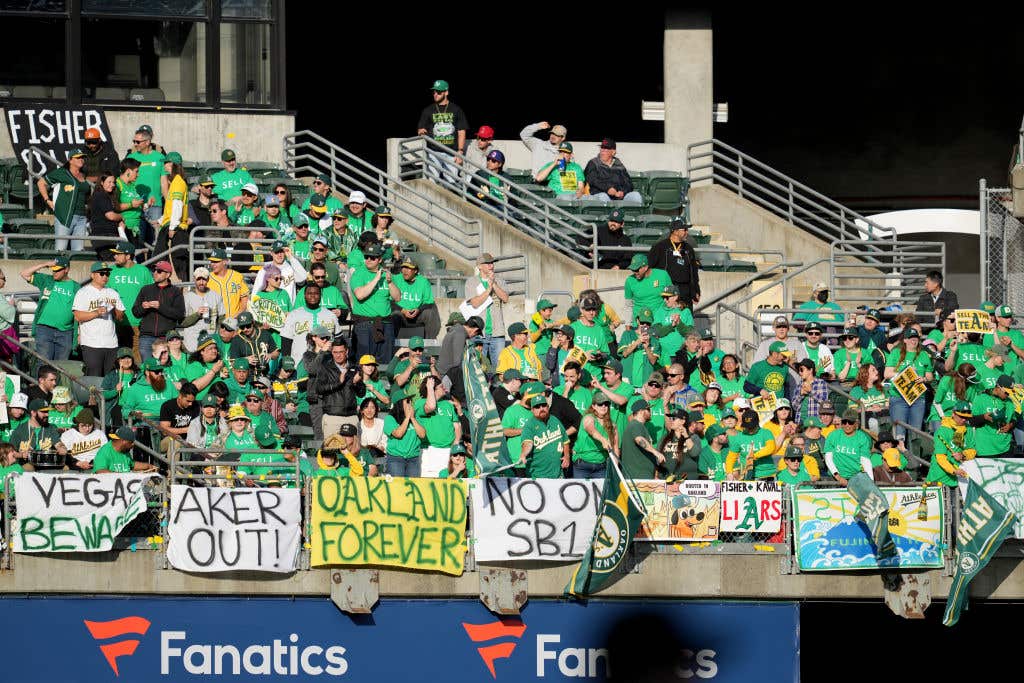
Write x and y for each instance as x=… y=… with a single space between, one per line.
x=561 y=164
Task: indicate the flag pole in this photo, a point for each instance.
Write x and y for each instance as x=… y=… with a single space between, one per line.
x=630 y=486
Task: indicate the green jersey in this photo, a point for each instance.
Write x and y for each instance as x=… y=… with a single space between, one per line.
x=515 y=417
x=151 y=168
x=111 y=459
x=671 y=335
x=758 y=446
x=144 y=398
x=580 y=397
x=128 y=282
x=414 y=294
x=378 y=303
x=870 y=398
x=228 y=184
x=847 y=451
x=946 y=398
x=764 y=375
x=55 y=299
x=408 y=446
x=548 y=439
x=948 y=440
x=1016 y=339
x=988 y=439
x=440 y=425
x=787 y=477
x=712 y=464
x=241 y=216
x=591 y=338
x=646 y=293
x=64 y=420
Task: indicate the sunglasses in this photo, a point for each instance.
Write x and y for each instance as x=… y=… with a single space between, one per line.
x=319 y=277
x=814 y=334
x=101 y=273
x=654 y=384
x=202 y=279
x=375 y=258
x=793 y=459
x=848 y=422
x=319 y=249
x=675 y=374
x=252 y=400
x=275 y=277
x=280 y=191
x=318 y=182
x=138 y=142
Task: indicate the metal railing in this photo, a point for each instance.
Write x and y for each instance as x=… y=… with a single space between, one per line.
x=517 y=205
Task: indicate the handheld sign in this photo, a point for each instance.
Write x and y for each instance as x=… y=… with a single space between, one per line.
x=971 y=320
x=907 y=385
x=764 y=406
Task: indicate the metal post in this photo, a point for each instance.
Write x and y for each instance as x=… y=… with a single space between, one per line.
x=983 y=237
x=790 y=205
x=739 y=172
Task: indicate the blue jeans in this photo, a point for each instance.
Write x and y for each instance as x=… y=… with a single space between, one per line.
x=76 y=229
x=633 y=196
x=493 y=347
x=913 y=415
x=582 y=469
x=53 y=344
x=403 y=467
x=146 y=346
x=363 y=341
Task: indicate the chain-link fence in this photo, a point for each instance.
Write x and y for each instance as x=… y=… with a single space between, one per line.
x=1002 y=248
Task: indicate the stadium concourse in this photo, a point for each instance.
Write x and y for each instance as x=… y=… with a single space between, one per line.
x=301 y=366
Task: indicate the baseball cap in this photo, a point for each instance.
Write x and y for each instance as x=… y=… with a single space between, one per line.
x=826 y=408
x=988 y=307
x=475 y=321
x=777 y=347
x=516 y=328
x=98 y=267
x=601 y=400
x=237 y=412
x=145 y=128
x=39 y=404
x=207 y=181
x=567 y=330
x=483 y=258
x=201 y=272
x=367 y=359
x=240 y=363
x=76 y=152
x=19 y=400
x=538 y=400
x=891 y=457
x=251 y=188
x=123 y=433
x=93 y=134
x=458 y=448
x=173 y=157
x=278 y=245
x=638 y=405
x=496 y=155
x=713 y=431
x=484 y=133
x=707 y=334
x=317 y=204
x=565 y=147
x=559 y=130
x=812 y=422
x=851 y=414
x=210 y=400
x=229 y=324
x=678 y=223
x=440 y=85
x=288 y=363
x=780 y=321
x=544 y=303
x=123 y=247
x=1004 y=311
x=819 y=286
x=164 y=266
x=607 y=143
x=271 y=200
x=645 y=316
x=357 y=197
x=617 y=216
x=512 y=375
x=793 y=453
x=227 y=155
x=407 y=262
x=963 y=409
x=60 y=263
x=174 y=334
x=911 y=333
x=383 y=210
x=749 y=419
x=670 y=290
x=637 y=262
x=1004 y=382
x=873 y=314
x=320 y=331
x=813 y=327
x=416 y=343
x=245 y=318
x=782 y=403
x=375 y=249
x=152 y=365
x=999 y=350
x=614 y=365
x=218 y=255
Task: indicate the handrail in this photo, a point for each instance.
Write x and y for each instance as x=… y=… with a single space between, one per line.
x=33 y=176
x=921 y=433
x=740 y=286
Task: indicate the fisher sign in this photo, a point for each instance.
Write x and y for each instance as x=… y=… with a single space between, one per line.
x=74 y=512
x=394 y=521
x=55 y=130
x=549 y=520
x=753 y=506
x=216 y=529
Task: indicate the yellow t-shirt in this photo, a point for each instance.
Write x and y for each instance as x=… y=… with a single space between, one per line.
x=177 y=190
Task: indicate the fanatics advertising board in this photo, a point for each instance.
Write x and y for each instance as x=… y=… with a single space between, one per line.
x=829 y=537
x=103 y=640
x=216 y=529
x=73 y=512
x=54 y=129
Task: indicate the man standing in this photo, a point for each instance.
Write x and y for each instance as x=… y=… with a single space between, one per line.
x=676 y=256
x=520 y=354
x=360 y=219
x=936 y=301
x=485 y=295
x=644 y=287
x=435 y=411
x=820 y=354
x=608 y=178
x=477 y=152
x=100 y=156
x=152 y=183
x=339 y=387
x=611 y=234
x=95 y=307
x=372 y=294
x=640 y=458
x=229 y=284
x=618 y=390
x=254 y=344
x=545 y=444
x=444 y=121
x=453 y=345
x=415 y=306
x=131 y=202
x=232 y=179
x=160 y=308
x=304 y=320
x=544 y=151
x=994 y=417
x=507 y=393
x=769 y=376
x=127 y=278
x=54 y=322
x=780 y=326
x=204 y=305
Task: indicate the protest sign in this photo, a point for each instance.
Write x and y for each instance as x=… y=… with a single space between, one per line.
x=830 y=538
x=681 y=511
x=74 y=512
x=267 y=312
x=1003 y=479
x=575 y=355
x=395 y=522
x=549 y=520
x=752 y=506
x=217 y=529
x=54 y=129
x=907 y=384
x=971 y=320
x=764 y=406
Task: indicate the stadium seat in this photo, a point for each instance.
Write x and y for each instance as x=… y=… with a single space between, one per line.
x=6 y=91
x=30 y=92
x=666 y=190
x=103 y=93
x=81 y=393
x=145 y=95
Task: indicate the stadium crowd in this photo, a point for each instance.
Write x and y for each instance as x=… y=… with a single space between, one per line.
x=330 y=327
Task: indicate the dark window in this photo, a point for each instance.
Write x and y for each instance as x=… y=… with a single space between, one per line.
x=33 y=62
x=32 y=5
x=246 y=9
x=245 y=59
x=169 y=8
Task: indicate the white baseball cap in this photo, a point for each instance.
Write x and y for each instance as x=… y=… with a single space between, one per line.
x=357 y=197
x=201 y=272
x=251 y=189
x=19 y=400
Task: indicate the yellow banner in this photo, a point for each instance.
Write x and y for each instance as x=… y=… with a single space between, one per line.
x=401 y=522
x=906 y=383
x=971 y=320
x=765 y=406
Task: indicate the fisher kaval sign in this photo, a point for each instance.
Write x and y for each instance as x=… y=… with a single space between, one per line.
x=54 y=129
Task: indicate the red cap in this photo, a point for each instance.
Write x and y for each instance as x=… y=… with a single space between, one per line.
x=93 y=134
x=485 y=132
x=164 y=266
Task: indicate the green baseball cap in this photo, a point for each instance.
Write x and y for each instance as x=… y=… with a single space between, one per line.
x=227 y=155
x=812 y=422
x=152 y=365
x=1004 y=311
x=617 y=216
x=76 y=152
x=565 y=147
x=375 y=249
x=511 y=375
x=988 y=307
x=713 y=431
x=440 y=85
x=637 y=262
x=544 y=303
x=218 y=255
x=458 y=448
x=60 y=263
x=516 y=328
x=777 y=347
x=416 y=343
x=538 y=400
x=278 y=245
x=124 y=353
x=963 y=409
x=532 y=389
x=265 y=435
x=614 y=365
x=208 y=181
x=99 y=267
x=670 y=290
x=240 y=364
x=639 y=405
x=793 y=453
x=210 y=400
x=645 y=316
x=245 y=318
x=123 y=247
x=173 y=157
x=288 y=363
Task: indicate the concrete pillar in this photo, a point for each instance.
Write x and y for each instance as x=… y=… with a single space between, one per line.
x=688 y=76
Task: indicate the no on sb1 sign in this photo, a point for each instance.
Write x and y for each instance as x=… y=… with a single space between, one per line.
x=752 y=506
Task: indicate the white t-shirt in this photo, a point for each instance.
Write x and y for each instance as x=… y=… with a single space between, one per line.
x=298 y=324
x=98 y=333
x=83 y=447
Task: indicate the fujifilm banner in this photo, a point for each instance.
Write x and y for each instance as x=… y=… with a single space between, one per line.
x=55 y=130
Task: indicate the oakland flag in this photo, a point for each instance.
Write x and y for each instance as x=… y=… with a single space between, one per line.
x=617 y=525
x=984 y=523
x=489 y=448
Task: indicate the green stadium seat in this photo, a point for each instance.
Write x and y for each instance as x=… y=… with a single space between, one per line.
x=11 y=212
x=666 y=190
x=715 y=261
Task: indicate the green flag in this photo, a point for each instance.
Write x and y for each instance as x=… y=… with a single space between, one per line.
x=984 y=524
x=617 y=524
x=489 y=447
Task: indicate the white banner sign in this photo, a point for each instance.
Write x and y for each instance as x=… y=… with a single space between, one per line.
x=216 y=529
x=549 y=520
x=75 y=512
x=752 y=506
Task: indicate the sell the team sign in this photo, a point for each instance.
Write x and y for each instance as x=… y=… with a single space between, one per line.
x=681 y=511
x=55 y=130
x=550 y=520
x=752 y=506
x=395 y=522
x=970 y=320
x=75 y=513
x=217 y=529
x=908 y=384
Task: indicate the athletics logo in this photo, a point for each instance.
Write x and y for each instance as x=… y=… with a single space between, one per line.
x=103 y=630
x=493 y=631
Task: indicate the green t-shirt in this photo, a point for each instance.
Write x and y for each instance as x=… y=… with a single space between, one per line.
x=109 y=458
x=713 y=463
x=440 y=425
x=587 y=448
x=128 y=282
x=591 y=338
x=1016 y=338
x=543 y=342
x=468 y=473
x=414 y=294
x=255 y=471
x=151 y=168
x=787 y=477
x=229 y=184
x=636 y=462
x=620 y=413
x=581 y=397
x=747 y=445
x=55 y=299
x=331 y=298
x=567 y=181
x=810 y=311
x=132 y=217
x=771 y=377
x=840 y=358
x=271 y=307
x=545 y=460
x=656 y=425
x=241 y=216
x=920 y=360
x=62 y=420
x=946 y=398
x=378 y=304
x=987 y=438
x=515 y=417
x=646 y=293
x=637 y=367
x=847 y=451
x=870 y=398
x=671 y=336
x=145 y=399
x=406 y=447
x=970 y=353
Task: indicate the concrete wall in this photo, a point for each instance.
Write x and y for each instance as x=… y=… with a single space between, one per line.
x=199 y=136
x=689 y=75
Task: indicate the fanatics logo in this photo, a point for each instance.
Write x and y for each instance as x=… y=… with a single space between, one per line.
x=104 y=630
x=493 y=631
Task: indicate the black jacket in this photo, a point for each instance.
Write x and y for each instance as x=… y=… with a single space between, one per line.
x=683 y=269
x=608 y=238
x=601 y=177
x=103 y=161
x=159 y=321
x=947 y=301
x=336 y=396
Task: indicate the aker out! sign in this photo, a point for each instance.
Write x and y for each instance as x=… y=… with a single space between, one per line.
x=104 y=640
